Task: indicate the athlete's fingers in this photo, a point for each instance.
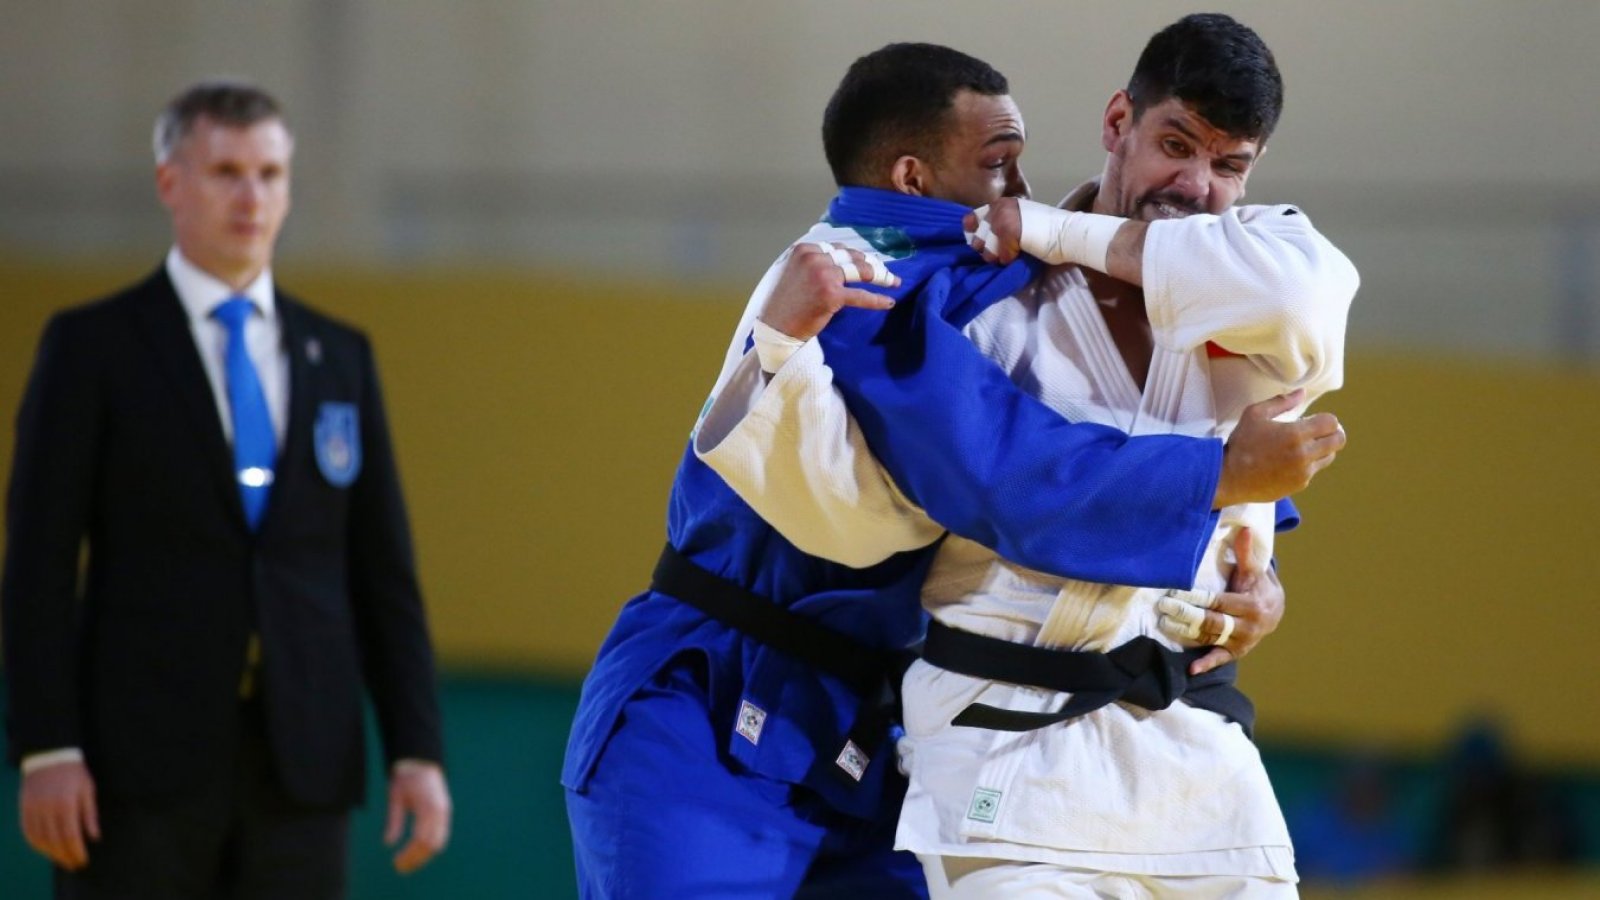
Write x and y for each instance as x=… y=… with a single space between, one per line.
x=873 y=269
x=984 y=241
x=1248 y=613
x=847 y=264
x=976 y=227
x=1217 y=627
x=1217 y=656
x=881 y=276
x=865 y=299
x=1245 y=566
x=811 y=248
x=1226 y=629
x=1322 y=424
x=1327 y=445
x=972 y=220
x=1317 y=465
x=1179 y=620
x=1272 y=407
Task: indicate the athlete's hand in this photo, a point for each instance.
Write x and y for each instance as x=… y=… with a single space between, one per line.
x=814 y=285
x=995 y=231
x=1250 y=610
x=59 y=811
x=1266 y=460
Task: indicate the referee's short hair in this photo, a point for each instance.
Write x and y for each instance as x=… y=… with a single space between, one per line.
x=236 y=104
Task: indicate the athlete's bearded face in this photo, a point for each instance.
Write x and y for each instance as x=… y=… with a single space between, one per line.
x=1169 y=162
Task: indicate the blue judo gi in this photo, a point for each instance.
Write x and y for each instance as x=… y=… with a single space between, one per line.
x=703 y=763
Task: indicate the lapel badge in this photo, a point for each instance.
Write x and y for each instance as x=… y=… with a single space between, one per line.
x=313 y=351
x=337 y=440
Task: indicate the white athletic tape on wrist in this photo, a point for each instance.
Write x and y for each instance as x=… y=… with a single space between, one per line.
x=773 y=347
x=1058 y=236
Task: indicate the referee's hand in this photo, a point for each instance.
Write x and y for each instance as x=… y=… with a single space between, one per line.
x=58 y=811
x=417 y=789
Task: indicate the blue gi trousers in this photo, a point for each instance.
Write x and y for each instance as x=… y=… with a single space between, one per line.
x=665 y=816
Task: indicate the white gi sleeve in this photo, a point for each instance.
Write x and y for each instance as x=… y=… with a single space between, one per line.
x=1258 y=281
x=790 y=449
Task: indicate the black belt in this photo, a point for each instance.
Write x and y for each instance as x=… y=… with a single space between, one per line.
x=1142 y=672
x=873 y=674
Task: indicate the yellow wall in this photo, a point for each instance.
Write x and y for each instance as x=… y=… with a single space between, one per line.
x=1442 y=569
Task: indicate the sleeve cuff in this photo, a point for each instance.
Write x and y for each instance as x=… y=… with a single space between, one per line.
x=773 y=347
x=412 y=764
x=33 y=762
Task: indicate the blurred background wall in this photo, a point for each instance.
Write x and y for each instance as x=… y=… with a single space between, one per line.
x=549 y=214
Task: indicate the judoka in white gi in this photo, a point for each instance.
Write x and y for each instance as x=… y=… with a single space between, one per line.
x=1217 y=307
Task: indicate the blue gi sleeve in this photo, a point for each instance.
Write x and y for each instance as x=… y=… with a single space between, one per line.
x=990 y=463
x=1286 y=516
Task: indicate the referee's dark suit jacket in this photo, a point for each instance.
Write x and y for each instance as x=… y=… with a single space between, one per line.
x=138 y=659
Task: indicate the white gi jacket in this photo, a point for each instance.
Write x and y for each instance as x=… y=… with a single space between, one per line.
x=1176 y=792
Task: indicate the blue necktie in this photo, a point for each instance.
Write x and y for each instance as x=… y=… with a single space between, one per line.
x=255 y=449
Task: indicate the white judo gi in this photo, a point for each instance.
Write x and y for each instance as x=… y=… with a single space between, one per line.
x=1242 y=306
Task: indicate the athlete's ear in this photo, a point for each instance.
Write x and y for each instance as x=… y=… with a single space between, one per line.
x=1117 y=121
x=909 y=175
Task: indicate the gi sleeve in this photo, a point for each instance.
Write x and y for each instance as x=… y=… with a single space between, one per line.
x=790 y=449
x=1258 y=281
x=995 y=465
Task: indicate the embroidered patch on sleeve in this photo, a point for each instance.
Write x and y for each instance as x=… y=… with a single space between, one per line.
x=751 y=718
x=852 y=760
x=985 y=805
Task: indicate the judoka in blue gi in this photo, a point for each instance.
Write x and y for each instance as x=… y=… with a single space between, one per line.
x=734 y=736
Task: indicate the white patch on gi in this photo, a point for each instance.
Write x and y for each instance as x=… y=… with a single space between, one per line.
x=985 y=805
x=751 y=718
x=852 y=760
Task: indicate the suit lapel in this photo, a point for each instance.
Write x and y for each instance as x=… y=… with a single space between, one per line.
x=302 y=352
x=166 y=327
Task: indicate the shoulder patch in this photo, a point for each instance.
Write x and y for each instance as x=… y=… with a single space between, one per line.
x=751 y=720
x=985 y=805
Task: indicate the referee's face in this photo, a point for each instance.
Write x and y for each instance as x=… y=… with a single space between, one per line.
x=980 y=159
x=228 y=191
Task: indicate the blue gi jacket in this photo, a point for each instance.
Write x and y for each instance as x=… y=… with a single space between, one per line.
x=1076 y=500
